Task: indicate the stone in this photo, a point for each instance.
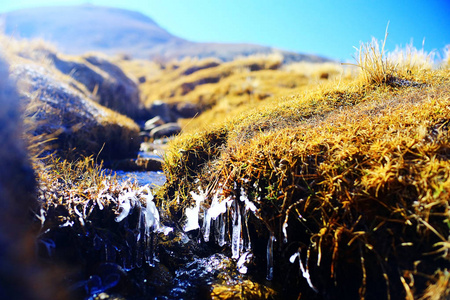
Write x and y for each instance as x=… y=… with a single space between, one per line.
x=165 y=130
x=161 y=109
x=63 y=112
x=153 y=123
x=106 y=82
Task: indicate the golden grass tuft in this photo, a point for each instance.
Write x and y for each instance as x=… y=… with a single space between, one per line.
x=398 y=67
x=359 y=173
x=411 y=59
x=374 y=63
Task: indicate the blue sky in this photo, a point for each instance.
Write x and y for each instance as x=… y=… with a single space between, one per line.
x=324 y=27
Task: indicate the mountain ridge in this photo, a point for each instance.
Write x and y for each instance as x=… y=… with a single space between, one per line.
x=85 y=28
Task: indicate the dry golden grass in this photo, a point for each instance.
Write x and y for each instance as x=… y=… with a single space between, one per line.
x=219 y=89
x=411 y=59
x=357 y=170
x=439 y=288
x=393 y=68
x=78 y=122
x=178 y=79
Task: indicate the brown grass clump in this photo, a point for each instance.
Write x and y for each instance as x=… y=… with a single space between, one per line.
x=354 y=178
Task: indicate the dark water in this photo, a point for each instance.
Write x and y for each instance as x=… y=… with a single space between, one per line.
x=153 y=179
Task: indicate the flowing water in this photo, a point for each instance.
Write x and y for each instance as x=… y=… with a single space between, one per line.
x=184 y=264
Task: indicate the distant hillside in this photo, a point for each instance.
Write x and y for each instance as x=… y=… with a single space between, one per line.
x=79 y=29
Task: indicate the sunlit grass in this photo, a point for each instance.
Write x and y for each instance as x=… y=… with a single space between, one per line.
x=373 y=61
x=363 y=166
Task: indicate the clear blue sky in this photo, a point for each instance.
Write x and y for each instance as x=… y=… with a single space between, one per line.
x=325 y=27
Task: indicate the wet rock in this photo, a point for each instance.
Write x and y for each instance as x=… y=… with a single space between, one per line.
x=161 y=109
x=107 y=83
x=186 y=110
x=139 y=164
x=142 y=79
x=165 y=130
x=153 y=123
x=63 y=112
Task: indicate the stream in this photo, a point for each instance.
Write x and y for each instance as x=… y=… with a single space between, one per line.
x=179 y=264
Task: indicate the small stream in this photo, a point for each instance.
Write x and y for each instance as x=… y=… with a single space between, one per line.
x=122 y=246
x=186 y=269
x=151 y=178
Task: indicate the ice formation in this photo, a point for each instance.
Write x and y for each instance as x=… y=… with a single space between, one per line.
x=192 y=213
x=217 y=208
x=236 y=239
x=223 y=211
x=140 y=240
x=125 y=200
x=304 y=268
x=270 y=256
x=243 y=260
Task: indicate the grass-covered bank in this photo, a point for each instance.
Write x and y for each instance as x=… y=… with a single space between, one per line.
x=350 y=182
x=315 y=187
x=78 y=103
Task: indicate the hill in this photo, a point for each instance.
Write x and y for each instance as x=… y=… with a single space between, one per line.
x=79 y=29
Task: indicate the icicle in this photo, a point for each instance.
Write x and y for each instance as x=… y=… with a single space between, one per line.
x=293 y=257
x=125 y=202
x=249 y=205
x=284 y=228
x=191 y=218
x=217 y=208
x=270 y=257
x=151 y=214
x=68 y=223
x=236 y=242
x=243 y=260
x=303 y=269
x=192 y=212
x=41 y=216
x=222 y=223
x=206 y=226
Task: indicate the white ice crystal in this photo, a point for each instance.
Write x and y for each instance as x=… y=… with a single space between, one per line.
x=126 y=201
x=192 y=212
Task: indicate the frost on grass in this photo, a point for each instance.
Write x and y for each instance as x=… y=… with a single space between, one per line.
x=120 y=222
